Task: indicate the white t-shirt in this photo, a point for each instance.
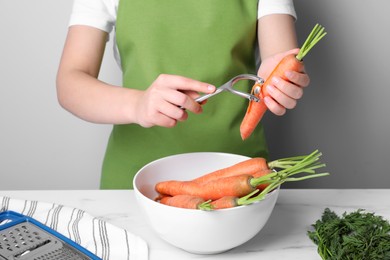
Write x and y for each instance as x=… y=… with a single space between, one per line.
x=101 y=14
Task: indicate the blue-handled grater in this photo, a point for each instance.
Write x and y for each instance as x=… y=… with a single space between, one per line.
x=24 y=238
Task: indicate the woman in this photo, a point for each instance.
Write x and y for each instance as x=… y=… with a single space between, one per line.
x=169 y=52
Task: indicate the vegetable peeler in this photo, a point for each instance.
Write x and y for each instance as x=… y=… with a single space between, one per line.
x=228 y=86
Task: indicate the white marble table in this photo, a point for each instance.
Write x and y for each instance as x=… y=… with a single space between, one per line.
x=284 y=236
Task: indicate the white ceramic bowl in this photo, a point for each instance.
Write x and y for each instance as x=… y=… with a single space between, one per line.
x=196 y=231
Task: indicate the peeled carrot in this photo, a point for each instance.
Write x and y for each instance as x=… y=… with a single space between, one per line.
x=256 y=110
x=229 y=186
x=250 y=166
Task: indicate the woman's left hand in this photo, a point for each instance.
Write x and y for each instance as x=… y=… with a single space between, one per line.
x=284 y=94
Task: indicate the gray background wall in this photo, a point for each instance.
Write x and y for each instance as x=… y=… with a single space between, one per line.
x=344 y=113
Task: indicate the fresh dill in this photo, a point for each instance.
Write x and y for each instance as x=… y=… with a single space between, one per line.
x=359 y=235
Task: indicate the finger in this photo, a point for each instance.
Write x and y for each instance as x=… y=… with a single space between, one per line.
x=292 y=51
x=281 y=98
x=299 y=78
x=192 y=94
x=159 y=119
x=184 y=83
x=288 y=88
x=173 y=111
x=195 y=95
x=166 y=121
x=274 y=107
x=181 y=100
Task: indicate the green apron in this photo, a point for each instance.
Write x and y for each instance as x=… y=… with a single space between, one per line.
x=207 y=40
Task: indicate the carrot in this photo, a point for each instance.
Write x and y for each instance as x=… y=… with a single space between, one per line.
x=229 y=186
x=184 y=201
x=249 y=166
x=160 y=197
x=224 y=202
x=256 y=110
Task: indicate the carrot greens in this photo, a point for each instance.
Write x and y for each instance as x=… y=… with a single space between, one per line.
x=307 y=164
x=314 y=37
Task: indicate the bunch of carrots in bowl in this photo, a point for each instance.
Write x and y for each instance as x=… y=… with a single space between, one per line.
x=180 y=196
x=240 y=184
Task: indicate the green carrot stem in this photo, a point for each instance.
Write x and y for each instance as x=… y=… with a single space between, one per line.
x=262 y=194
x=276 y=184
x=262 y=179
x=291 y=161
x=304 y=164
x=205 y=206
x=239 y=201
x=317 y=33
x=293 y=158
x=307 y=165
x=306 y=177
x=285 y=162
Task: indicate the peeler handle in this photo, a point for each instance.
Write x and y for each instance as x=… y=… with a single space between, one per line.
x=207 y=96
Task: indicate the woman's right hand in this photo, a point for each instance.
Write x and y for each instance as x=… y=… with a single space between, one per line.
x=168 y=99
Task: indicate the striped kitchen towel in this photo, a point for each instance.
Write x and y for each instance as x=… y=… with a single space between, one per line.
x=99 y=237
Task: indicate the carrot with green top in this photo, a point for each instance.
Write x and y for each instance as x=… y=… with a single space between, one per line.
x=256 y=110
x=272 y=180
x=249 y=166
x=237 y=190
x=252 y=166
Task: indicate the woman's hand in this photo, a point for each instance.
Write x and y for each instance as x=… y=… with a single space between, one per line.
x=284 y=94
x=168 y=99
x=80 y=92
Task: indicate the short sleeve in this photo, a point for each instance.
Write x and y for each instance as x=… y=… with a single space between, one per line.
x=267 y=7
x=100 y=14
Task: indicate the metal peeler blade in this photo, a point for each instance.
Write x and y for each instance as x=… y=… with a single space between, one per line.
x=228 y=86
